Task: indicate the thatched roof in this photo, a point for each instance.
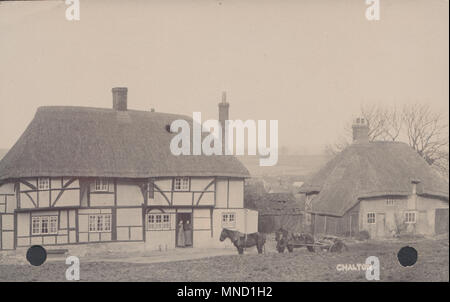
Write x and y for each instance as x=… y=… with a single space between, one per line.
x=374 y=169
x=94 y=142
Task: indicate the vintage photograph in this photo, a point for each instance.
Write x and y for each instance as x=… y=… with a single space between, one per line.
x=224 y=141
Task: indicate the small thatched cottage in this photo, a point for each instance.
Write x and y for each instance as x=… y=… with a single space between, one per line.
x=385 y=188
x=81 y=175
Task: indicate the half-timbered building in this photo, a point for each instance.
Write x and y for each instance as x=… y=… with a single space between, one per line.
x=82 y=175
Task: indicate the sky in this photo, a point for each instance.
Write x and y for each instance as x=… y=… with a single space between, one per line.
x=309 y=64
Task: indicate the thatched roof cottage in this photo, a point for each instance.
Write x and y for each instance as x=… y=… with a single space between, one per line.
x=82 y=175
x=385 y=188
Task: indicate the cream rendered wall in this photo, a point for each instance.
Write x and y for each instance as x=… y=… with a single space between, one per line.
x=221 y=193
x=246 y=222
x=47 y=198
x=236 y=193
x=83 y=226
x=70 y=197
x=377 y=206
x=200 y=183
x=161 y=240
x=129 y=224
x=427 y=209
x=101 y=199
x=26 y=239
x=129 y=194
x=8 y=200
x=394 y=214
x=202 y=236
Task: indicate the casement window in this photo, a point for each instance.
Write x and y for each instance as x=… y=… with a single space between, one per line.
x=228 y=220
x=158 y=222
x=43 y=183
x=390 y=201
x=410 y=217
x=99 y=223
x=43 y=225
x=370 y=218
x=181 y=184
x=101 y=185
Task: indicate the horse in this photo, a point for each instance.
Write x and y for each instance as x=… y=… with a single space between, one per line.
x=242 y=241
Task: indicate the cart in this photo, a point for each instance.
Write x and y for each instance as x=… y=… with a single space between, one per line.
x=289 y=241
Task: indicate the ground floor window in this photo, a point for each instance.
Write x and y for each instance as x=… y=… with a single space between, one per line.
x=42 y=225
x=158 y=222
x=100 y=223
x=410 y=217
x=370 y=218
x=228 y=220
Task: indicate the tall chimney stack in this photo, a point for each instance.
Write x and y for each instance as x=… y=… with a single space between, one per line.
x=120 y=98
x=360 y=130
x=223 y=116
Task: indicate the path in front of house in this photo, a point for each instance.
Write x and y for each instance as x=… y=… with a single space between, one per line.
x=178 y=254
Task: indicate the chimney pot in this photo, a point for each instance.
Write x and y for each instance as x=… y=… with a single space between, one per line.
x=223 y=116
x=360 y=130
x=120 y=98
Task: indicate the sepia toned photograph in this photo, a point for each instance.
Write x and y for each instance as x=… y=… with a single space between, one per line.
x=224 y=141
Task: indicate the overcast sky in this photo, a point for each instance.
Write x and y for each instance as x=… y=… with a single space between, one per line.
x=309 y=64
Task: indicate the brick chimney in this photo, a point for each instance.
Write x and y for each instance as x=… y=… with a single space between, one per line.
x=223 y=115
x=120 y=98
x=360 y=130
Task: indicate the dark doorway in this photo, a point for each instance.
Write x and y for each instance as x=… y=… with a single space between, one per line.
x=441 y=221
x=185 y=239
x=354 y=224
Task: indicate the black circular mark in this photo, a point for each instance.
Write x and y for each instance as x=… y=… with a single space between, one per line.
x=407 y=256
x=36 y=255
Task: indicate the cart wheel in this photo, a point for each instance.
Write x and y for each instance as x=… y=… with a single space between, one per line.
x=338 y=246
x=311 y=249
x=290 y=248
x=332 y=248
x=280 y=249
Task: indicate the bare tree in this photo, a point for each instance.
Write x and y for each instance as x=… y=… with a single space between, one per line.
x=393 y=124
x=427 y=133
x=378 y=119
x=424 y=130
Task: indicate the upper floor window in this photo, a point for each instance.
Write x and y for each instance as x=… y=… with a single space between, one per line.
x=181 y=184
x=101 y=185
x=390 y=201
x=370 y=218
x=410 y=217
x=43 y=225
x=43 y=183
x=100 y=223
x=229 y=220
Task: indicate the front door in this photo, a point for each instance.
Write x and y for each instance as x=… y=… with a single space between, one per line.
x=381 y=221
x=184 y=233
x=441 y=221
